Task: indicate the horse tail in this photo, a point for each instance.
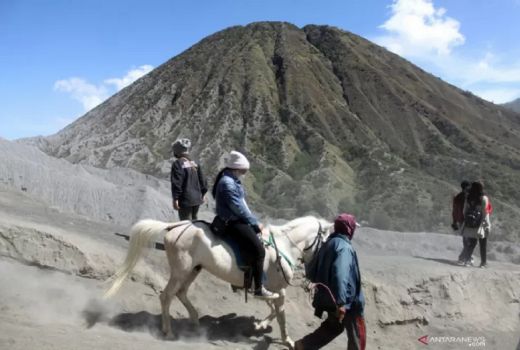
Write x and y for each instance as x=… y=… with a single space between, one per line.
x=142 y=234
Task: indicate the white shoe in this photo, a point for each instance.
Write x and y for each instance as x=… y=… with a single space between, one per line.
x=264 y=294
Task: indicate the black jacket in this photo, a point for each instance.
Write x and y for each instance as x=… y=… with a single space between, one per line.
x=188 y=183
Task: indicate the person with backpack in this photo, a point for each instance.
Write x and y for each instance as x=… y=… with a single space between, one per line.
x=240 y=223
x=476 y=225
x=189 y=186
x=457 y=214
x=339 y=293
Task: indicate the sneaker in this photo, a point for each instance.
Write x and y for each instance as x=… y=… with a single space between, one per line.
x=483 y=266
x=472 y=260
x=468 y=264
x=461 y=263
x=263 y=293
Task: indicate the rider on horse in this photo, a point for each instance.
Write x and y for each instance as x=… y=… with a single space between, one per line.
x=240 y=223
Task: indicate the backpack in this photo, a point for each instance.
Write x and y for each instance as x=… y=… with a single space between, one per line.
x=473 y=215
x=311 y=268
x=218 y=226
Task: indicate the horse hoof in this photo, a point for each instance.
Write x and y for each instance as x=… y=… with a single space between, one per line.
x=290 y=343
x=168 y=336
x=259 y=326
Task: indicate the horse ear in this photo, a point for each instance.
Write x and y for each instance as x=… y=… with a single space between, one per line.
x=327 y=226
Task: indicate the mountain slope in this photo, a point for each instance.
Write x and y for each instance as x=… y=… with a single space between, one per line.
x=329 y=120
x=513 y=105
x=119 y=196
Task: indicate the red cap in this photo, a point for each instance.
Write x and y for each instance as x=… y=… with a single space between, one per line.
x=345 y=224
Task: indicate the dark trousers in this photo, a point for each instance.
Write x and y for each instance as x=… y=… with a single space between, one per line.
x=482 y=242
x=251 y=248
x=188 y=213
x=353 y=323
x=470 y=247
x=462 y=254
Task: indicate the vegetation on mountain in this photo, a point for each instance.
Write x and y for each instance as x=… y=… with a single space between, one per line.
x=330 y=121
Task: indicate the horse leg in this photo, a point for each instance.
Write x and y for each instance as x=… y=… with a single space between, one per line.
x=166 y=298
x=182 y=294
x=279 y=305
x=267 y=321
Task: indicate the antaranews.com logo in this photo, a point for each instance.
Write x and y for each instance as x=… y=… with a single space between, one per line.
x=472 y=342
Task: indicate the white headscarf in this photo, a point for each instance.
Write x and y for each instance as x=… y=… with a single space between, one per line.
x=237 y=160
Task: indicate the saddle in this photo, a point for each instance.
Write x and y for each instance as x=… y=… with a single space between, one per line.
x=220 y=230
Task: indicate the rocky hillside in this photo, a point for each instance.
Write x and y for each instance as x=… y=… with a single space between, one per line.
x=330 y=121
x=513 y=105
x=119 y=196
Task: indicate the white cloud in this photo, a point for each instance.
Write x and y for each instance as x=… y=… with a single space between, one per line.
x=467 y=71
x=417 y=28
x=88 y=94
x=91 y=95
x=424 y=34
x=498 y=95
x=130 y=77
x=494 y=72
x=488 y=77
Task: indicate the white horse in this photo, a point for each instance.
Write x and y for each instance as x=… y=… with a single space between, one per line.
x=191 y=247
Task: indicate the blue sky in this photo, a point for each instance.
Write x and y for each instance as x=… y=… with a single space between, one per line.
x=59 y=58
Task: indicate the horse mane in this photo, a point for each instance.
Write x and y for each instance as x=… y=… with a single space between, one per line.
x=287 y=227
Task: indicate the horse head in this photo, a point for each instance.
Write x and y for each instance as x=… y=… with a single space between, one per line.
x=305 y=235
x=315 y=240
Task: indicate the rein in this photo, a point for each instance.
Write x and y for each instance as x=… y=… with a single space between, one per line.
x=317 y=239
x=279 y=258
x=272 y=243
x=279 y=254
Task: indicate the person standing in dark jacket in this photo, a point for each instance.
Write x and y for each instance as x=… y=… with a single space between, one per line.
x=339 y=291
x=189 y=186
x=479 y=207
x=457 y=215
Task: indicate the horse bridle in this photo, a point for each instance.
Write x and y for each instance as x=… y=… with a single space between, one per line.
x=317 y=241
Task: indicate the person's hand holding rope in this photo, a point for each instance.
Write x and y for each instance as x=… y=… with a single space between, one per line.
x=340 y=313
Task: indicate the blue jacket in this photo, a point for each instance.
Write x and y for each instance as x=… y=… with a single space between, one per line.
x=338 y=269
x=231 y=204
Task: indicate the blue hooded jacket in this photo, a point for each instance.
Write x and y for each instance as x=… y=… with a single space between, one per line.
x=338 y=269
x=230 y=201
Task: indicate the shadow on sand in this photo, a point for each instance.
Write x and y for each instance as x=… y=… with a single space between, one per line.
x=442 y=261
x=229 y=327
